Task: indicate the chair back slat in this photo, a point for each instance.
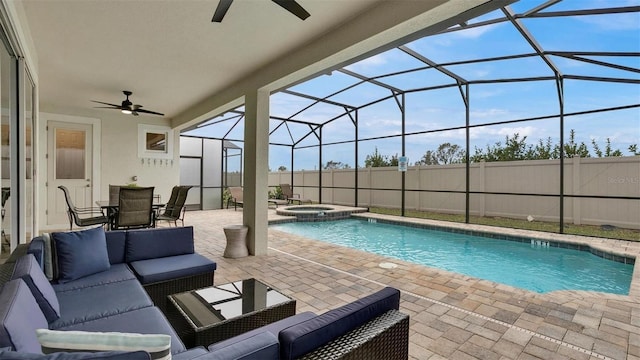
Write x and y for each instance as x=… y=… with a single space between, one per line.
x=135 y=207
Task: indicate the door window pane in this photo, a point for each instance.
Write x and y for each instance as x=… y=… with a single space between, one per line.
x=70 y=154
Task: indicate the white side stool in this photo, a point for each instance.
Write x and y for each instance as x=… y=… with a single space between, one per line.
x=236 y=241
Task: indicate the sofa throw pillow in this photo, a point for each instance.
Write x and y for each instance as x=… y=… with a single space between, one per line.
x=157 y=345
x=80 y=253
x=106 y=355
x=28 y=269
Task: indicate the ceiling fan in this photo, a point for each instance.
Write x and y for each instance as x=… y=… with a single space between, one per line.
x=291 y=6
x=127 y=107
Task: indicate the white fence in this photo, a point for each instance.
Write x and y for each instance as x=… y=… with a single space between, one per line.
x=441 y=188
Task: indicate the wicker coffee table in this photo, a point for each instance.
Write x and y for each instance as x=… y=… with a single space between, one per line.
x=205 y=316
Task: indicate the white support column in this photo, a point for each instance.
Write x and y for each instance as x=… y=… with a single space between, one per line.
x=256 y=170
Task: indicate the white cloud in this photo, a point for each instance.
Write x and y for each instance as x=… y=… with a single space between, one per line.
x=489 y=113
x=483 y=94
x=374 y=61
x=474 y=33
x=615 y=22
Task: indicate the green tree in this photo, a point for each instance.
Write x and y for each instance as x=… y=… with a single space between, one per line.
x=393 y=161
x=335 y=165
x=378 y=160
x=544 y=150
x=572 y=148
x=446 y=153
x=514 y=148
x=608 y=151
x=282 y=168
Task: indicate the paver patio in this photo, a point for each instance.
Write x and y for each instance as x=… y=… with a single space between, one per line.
x=453 y=316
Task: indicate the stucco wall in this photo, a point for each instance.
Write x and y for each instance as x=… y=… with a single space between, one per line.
x=120 y=161
x=117 y=156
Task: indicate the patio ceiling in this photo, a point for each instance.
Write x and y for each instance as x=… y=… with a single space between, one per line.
x=167 y=52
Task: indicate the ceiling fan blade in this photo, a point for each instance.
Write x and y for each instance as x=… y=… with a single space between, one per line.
x=147 y=112
x=104 y=103
x=221 y=10
x=106 y=107
x=293 y=7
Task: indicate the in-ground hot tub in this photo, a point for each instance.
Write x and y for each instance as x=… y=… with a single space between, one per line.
x=314 y=212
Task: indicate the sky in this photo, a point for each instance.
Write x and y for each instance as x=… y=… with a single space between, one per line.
x=444 y=108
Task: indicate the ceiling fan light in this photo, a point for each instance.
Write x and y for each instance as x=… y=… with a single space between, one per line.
x=126 y=111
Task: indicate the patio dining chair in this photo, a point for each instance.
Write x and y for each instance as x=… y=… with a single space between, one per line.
x=82 y=216
x=175 y=208
x=135 y=208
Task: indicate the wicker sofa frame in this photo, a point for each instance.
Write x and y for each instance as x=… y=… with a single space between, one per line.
x=211 y=334
x=159 y=291
x=385 y=337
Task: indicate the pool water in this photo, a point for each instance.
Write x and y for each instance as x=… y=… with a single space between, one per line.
x=523 y=265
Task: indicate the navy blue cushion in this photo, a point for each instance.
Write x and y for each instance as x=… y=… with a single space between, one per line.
x=106 y=355
x=94 y=302
x=116 y=245
x=161 y=242
x=260 y=346
x=193 y=353
x=149 y=320
x=116 y=273
x=80 y=253
x=20 y=316
x=173 y=267
x=307 y=336
x=28 y=269
x=273 y=328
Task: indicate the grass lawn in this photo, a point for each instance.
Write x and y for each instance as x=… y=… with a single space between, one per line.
x=587 y=230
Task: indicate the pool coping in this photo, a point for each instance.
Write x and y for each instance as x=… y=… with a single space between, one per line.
x=327 y=213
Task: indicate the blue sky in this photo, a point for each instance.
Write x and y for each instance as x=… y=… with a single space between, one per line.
x=444 y=108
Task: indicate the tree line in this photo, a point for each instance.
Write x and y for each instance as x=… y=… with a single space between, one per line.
x=516 y=148
x=513 y=148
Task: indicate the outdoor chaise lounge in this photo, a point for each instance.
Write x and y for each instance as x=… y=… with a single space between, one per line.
x=237 y=198
x=287 y=191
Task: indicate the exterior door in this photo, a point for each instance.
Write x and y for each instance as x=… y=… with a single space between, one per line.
x=69 y=160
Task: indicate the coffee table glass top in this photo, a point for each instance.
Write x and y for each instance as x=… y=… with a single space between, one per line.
x=208 y=306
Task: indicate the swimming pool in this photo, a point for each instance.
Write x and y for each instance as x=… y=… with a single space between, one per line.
x=533 y=266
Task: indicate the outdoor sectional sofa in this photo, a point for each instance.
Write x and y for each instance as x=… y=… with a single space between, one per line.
x=94 y=297
x=99 y=286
